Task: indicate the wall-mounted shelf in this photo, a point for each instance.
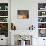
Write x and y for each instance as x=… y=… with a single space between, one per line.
x=42 y=16
x=3 y=10
x=3 y=22
x=3 y=16
x=41 y=10
x=41 y=28
x=41 y=22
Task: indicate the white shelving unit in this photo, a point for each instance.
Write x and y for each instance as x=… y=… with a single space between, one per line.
x=4 y=24
x=42 y=18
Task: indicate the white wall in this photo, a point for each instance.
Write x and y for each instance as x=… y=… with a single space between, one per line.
x=32 y=6
x=23 y=5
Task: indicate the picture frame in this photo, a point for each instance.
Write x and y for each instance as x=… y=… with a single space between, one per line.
x=23 y=14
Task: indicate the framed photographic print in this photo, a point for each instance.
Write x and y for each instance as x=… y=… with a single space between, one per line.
x=23 y=14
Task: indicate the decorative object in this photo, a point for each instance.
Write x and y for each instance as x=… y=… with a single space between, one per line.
x=4 y=29
x=41 y=19
x=3 y=19
x=3 y=13
x=41 y=6
x=42 y=25
x=6 y=7
x=31 y=27
x=3 y=6
x=0 y=7
x=42 y=32
x=23 y=40
x=43 y=13
x=13 y=27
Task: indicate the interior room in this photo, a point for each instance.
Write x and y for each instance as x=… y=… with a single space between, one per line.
x=22 y=22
